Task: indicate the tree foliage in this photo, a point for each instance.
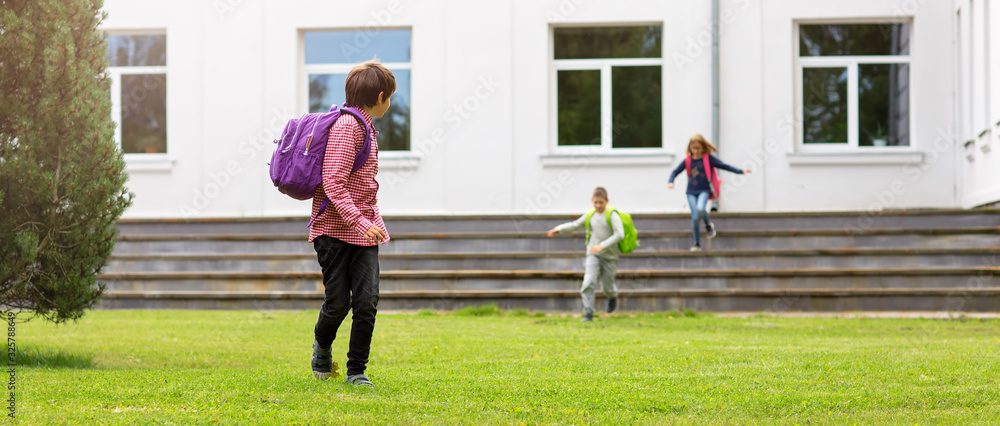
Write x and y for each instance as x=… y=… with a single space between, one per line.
x=62 y=180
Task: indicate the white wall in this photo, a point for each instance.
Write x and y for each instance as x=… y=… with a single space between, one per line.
x=235 y=75
x=544 y=182
x=161 y=189
x=761 y=115
x=978 y=92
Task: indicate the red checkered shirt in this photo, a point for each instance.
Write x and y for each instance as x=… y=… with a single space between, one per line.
x=353 y=196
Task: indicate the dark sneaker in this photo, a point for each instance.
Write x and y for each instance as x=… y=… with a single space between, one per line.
x=696 y=248
x=359 y=380
x=710 y=228
x=612 y=304
x=587 y=317
x=322 y=362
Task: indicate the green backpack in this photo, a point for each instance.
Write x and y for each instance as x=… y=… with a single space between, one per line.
x=631 y=240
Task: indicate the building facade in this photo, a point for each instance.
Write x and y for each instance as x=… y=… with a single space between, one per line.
x=524 y=106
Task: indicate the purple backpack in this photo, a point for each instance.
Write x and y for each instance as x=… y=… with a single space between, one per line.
x=297 y=163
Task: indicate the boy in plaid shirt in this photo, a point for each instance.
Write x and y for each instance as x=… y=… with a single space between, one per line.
x=346 y=237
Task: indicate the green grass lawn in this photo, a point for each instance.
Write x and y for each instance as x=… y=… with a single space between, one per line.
x=199 y=367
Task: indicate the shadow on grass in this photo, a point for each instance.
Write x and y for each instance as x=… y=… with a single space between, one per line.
x=35 y=357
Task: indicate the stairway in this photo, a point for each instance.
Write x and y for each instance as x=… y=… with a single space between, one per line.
x=923 y=260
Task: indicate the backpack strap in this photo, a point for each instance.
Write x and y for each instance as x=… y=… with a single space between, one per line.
x=362 y=156
x=607 y=215
x=687 y=165
x=359 y=159
x=713 y=178
x=586 y=222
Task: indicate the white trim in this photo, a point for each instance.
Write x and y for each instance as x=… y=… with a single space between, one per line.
x=157 y=69
x=592 y=64
x=346 y=68
x=853 y=99
x=607 y=123
x=604 y=24
x=864 y=20
x=149 y=162
x=356 y=29
x=116 y=103
x=553 y=110
x=987 y=77
x=134 y=31
x=833 y=61
x=632 y=157
x=958 y=90
x=862 y=156
x=115 y=74
x=399 y=160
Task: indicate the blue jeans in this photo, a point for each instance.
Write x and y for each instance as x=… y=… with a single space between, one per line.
x=698 y=203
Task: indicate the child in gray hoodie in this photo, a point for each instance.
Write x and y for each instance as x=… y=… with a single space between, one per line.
x=601 y=263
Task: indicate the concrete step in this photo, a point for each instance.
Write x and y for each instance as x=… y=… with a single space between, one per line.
x=554 y=261
x=891 y=260
x=212 y=281
x=779 y=300
x=531 y=242
x=932 y=218
x=725 y=221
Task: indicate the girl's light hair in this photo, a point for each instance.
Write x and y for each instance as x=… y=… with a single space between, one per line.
x=706 y=146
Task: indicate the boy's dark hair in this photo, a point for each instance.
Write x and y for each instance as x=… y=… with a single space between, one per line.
x=600 y=192
x=365 y=81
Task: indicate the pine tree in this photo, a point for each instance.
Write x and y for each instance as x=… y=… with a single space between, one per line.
x=62 y=180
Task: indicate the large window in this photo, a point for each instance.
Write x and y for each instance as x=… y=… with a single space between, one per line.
x=138 y=70
x=609 y=92
x=855 y=84
x=329 y=57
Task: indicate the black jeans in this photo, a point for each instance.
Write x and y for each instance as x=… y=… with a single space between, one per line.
x=350 y=276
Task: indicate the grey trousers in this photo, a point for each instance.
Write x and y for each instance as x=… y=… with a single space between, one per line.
x=598 y=269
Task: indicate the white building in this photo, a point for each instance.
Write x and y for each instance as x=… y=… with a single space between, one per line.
x=524 y=106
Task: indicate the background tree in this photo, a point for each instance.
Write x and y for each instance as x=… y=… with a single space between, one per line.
x=62 y=180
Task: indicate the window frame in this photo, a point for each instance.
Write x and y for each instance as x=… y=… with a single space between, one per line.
x=851 y=63
x=115 y=74
x=344 y=68
x=603 y=65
